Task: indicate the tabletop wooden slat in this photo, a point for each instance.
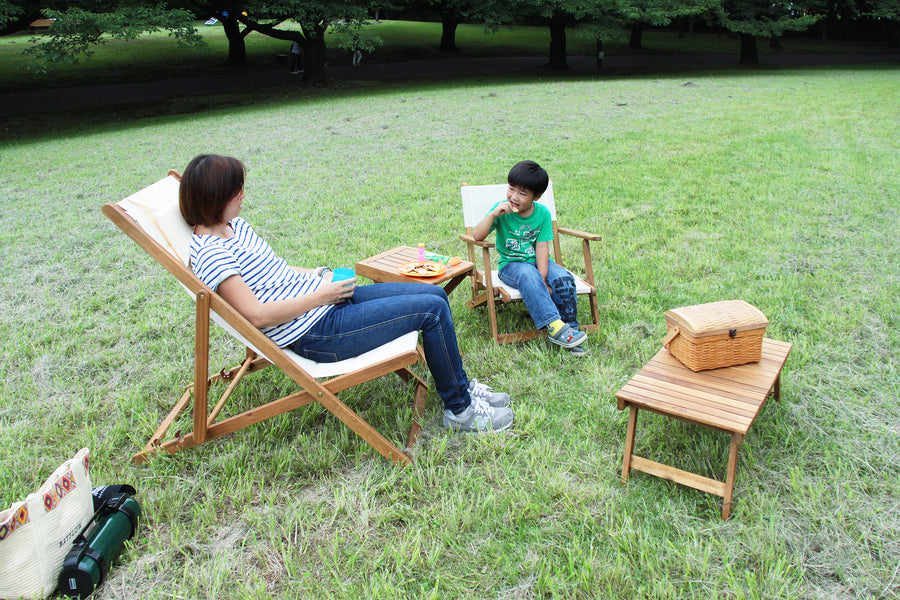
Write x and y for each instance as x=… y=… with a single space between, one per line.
x=386 y=267
x=728 y=399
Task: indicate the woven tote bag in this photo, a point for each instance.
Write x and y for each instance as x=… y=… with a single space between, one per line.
x=36 y=534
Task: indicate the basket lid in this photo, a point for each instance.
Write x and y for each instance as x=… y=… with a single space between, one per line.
x=716 y=318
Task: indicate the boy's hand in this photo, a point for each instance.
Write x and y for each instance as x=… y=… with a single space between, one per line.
x=504 y=208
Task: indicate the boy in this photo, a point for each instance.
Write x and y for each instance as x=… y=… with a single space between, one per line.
x=524 y=232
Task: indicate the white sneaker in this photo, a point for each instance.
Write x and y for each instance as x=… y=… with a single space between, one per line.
x=487 y=394
x=479 y=417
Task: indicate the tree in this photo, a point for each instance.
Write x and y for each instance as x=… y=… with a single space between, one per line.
x=490 y=13
x=76 y=30
x=752 y=18
x=640 y=14
x=315 y=17
x=8 y=11
x=887 y=11
x=560 y=14
x=227 y=13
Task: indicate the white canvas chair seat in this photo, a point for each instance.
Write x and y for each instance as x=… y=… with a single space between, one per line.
x=404 y=343
x=581 y=286
x=477 y=201
x=151 y=217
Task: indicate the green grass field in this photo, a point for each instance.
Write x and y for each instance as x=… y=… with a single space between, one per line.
x=776 y=187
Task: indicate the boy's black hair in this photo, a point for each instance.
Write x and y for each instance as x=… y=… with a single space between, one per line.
x=529 y=175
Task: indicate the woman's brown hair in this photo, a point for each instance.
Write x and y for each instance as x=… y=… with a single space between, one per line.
x=208 y=184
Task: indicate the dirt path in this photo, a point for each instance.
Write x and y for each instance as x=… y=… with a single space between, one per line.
x=63 y=99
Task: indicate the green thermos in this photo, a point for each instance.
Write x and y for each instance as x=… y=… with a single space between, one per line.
x=88 y=561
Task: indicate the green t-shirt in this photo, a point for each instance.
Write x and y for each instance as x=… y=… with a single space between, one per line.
x=517 y=236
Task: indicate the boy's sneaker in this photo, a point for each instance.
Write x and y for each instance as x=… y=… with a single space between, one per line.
x=479 y=417
x=578 y=351
x=567 y=337
x=487 y=394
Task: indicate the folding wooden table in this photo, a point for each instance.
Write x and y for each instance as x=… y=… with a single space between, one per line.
x=726 y=399
x=385 y=267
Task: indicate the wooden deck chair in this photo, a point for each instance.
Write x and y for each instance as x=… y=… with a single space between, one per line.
x=477 y=200
x=151 y=217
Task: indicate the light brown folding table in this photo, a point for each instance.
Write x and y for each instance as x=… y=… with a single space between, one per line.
x=727 y=400
x=385 y=267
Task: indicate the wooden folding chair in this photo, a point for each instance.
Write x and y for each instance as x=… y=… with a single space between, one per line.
x=151 y=217
x=487 y=288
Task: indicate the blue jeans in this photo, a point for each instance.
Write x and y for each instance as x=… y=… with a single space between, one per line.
x=544 y=307
x=382 y=312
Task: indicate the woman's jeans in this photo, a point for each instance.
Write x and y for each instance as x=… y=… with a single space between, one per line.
x=382 y=312
x=544 y=307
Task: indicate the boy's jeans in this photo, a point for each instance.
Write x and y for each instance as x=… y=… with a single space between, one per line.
x=382 y=312
x=544 y=307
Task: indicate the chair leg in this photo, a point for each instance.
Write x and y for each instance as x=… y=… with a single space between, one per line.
x=418 y=413
x=201 y=367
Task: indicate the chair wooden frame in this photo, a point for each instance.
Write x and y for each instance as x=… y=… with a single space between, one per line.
x=261 y=352
x=477 y=200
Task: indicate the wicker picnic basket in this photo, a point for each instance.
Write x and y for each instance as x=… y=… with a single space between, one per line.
x=715 y=335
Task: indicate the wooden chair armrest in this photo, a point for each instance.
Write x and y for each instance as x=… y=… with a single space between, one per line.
x=591 y=237
x=470 y=240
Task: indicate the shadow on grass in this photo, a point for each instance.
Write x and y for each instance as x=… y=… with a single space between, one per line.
x=23 y=129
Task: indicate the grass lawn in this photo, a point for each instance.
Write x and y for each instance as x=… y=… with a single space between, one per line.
x=779 y=188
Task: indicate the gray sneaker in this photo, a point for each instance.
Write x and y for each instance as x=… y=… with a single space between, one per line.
x=479 y=417
x=486 y=393
x=578 y=351
x=567 y=337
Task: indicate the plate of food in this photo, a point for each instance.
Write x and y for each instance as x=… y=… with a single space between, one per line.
x=422 y=269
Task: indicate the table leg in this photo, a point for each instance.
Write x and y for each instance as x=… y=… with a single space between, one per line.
x=736 y=440
x=778 y=387
x=629 y=442
x=451 y=285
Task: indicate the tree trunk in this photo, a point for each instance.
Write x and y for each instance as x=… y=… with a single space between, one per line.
x=558 y=41
x=314 y=55
x=774 y=43
x=237 y=49
x=749 y=51
x=600 y=54
x=637 y=34
x=449 y=21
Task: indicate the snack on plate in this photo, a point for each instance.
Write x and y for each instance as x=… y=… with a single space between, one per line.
x=422 y=269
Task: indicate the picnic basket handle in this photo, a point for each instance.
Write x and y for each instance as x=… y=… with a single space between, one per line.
x=671 y=336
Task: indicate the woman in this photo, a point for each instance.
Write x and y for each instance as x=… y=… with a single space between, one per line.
x=303 y=310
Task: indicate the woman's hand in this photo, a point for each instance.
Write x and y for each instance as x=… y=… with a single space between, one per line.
x=332 y=292
x=236 y=292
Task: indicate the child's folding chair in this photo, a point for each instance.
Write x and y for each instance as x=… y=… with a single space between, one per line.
x=487 y=288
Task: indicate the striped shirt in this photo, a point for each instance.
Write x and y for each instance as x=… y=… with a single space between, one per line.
x=268 y=276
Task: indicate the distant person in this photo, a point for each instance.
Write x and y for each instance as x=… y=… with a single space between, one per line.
x=322 y=320
x=524 y=232
x=357 y=53
x=295 y=58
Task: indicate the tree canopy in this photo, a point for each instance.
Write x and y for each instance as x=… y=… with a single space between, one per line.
x=80 y=25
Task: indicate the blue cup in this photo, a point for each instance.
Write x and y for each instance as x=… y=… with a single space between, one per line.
x=342 y=274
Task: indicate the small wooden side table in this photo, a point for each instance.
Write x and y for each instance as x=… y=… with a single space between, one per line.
x=726 y=399
x=385 y=267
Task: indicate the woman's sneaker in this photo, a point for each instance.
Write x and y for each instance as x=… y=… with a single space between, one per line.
x=479 y=417
x=567 y=337
x=486 y=393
